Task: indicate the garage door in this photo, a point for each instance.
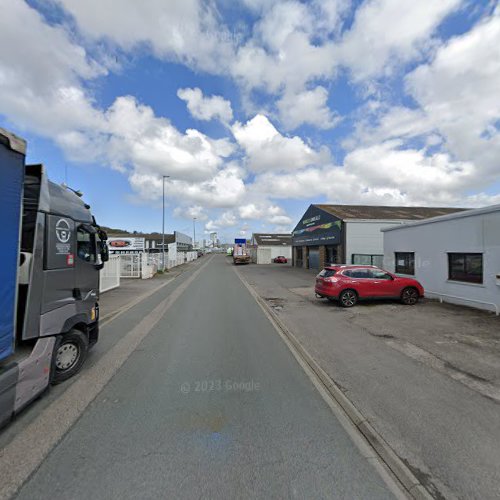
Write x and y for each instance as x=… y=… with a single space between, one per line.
x=314 y=258
x=263 y=256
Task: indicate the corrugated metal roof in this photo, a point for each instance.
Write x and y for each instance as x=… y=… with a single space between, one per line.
x=272 y=239
x=460 y=215
x=386 y=212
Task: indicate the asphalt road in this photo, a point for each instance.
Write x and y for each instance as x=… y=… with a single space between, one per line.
x=447 y=432
x=211 y=404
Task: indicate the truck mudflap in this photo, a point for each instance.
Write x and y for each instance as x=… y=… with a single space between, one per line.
x=23 y=381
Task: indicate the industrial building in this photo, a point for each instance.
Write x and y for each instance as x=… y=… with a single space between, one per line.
x=150 y=242
x=456 y=257
x=350 y=234
x=267 y=246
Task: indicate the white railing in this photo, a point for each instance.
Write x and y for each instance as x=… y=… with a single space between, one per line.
x=109 y=276
x=146 y=265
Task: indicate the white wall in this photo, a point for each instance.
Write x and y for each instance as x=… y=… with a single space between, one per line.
x=431 y=243
x=272 y=251
x=365 y=237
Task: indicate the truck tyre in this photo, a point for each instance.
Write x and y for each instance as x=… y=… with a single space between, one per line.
x=69 y=355
x=348 y=298
x=409 y=296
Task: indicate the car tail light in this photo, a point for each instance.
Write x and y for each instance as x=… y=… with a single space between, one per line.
x=331 y=280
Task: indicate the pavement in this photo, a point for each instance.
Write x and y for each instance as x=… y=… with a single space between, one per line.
x=198 y=397
x=425 y=377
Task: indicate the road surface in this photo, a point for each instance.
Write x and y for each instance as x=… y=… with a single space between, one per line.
x=211 y=404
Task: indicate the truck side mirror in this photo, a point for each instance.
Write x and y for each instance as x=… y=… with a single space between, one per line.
x=104 y=251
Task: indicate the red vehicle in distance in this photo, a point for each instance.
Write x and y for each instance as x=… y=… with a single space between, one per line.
x=349 y=283
x=281 y=259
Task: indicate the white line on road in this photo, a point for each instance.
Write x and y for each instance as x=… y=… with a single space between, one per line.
x=392 y=470
x=25 y=453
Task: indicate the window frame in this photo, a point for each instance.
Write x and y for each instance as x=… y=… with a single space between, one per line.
x=371 y=255
x=83 y=228
x=408 y=266
x=467 y=276
x=350 y=271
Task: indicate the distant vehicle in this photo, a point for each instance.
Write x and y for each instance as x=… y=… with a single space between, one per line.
x=52 y=252
x=349 y=283
x=240 y=252
x=200 y=253
x=281 y=259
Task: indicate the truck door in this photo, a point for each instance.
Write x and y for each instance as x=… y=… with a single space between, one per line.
x=86 y=286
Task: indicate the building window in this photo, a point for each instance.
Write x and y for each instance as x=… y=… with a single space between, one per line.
x=361 y=259
x=405 y=263
x=467 y=267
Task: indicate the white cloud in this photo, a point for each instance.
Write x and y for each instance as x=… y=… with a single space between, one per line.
x=267 y=149
x=227 y=219
x=458 y=92
x=381 y=123
x=250 y=211
x=273 y=214
x=45 y=79
x=155 y=147
x=40 y=74
x=309 y=106
x=458 y=112
x=292 y=44
x=206 y=108
x=384 y=173
x=387 y=33
x=191 y=212
x=282 y=220
x=225 y=189
x=295 y=64
x=187 y=31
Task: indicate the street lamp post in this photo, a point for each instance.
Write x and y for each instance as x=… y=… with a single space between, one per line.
x=194 y=232
x=163 y=224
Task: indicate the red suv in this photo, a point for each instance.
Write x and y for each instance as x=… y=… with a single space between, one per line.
x=348 y=284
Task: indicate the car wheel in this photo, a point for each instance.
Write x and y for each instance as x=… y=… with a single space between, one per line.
x=409 y=296
x=69 y=355
x=348 y=298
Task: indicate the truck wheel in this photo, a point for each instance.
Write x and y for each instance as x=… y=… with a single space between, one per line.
x=348 y=298
x=69 y=355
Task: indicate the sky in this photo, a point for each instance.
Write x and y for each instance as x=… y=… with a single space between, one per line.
x=255 y=109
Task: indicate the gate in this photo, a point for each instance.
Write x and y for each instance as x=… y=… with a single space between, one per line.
x=130 y=265
x=110 y=274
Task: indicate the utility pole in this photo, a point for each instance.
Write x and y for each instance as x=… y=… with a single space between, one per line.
x=194 y=232
x=163 y=224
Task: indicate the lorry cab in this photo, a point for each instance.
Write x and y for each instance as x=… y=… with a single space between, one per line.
x=49 y=287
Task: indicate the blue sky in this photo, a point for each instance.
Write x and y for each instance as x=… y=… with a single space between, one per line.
x=255 y=109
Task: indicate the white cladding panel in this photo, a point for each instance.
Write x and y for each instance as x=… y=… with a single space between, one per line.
x=365 y=237
x=432 y=242
x=266 y=254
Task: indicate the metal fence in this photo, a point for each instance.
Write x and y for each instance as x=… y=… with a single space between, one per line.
x=110 y=274
x=146 y=265
x=130 y=265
